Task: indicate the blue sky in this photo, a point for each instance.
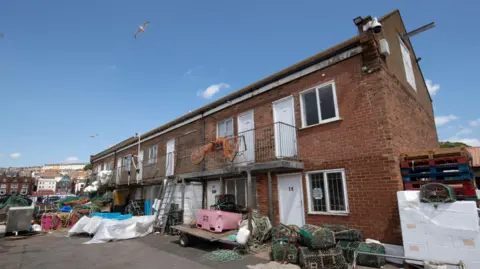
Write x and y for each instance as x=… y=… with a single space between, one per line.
x=71 y=69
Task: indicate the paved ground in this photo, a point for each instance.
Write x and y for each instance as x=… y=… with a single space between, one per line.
x=56 y=251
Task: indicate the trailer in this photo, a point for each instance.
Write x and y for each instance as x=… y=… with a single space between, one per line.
x=189 y=234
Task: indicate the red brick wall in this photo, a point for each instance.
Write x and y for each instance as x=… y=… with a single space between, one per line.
x=380 y=119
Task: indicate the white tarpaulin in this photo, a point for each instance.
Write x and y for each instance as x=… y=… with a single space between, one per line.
x=449 y=232
x=105 y=230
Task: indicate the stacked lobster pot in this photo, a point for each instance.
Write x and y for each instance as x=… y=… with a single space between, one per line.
x=350 y=241
x=319 y=249
x=285 y=244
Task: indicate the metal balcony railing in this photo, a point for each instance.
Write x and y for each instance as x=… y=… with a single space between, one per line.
x=272 y=142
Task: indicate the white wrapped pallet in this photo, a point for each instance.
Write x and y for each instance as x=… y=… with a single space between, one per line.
x=449 y=232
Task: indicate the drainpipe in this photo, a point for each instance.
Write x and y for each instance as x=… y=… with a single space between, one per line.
x=204 y=140
x=249 y=198
x=270 y=198
x=138 y=158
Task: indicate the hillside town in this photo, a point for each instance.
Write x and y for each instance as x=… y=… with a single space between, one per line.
x=336 y=160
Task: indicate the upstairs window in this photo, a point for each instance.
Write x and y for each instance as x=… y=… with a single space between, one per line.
x=127 y=162
x=152 y=154
x=319 y=105
x=407 y=63
x=225 y=128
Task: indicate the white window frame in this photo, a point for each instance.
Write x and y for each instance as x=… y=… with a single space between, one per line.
x=326 y=193
x=225 y=122
x=236 y=189
x=320 y=121
x=153 y=154
x=406 y=57
x=126 y=163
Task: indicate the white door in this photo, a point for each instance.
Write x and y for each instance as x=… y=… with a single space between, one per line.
x=284 y=126
x=170 y=160
x=213 y=189
x=119 y=169
x=140 y=165
x=290 y=199
x=246 y=133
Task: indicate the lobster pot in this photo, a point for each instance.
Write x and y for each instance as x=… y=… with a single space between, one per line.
x=344 y=233
x=281 y=233
x=319 y=238
x=316 y=259
x=371 y=260
x=279 y=249
x=437 y=193
x=348 y=249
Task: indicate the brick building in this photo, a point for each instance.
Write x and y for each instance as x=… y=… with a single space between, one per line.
x=318 y=140
x=15 y=184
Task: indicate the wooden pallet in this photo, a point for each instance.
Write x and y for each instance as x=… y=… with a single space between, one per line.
x=464 y=190
x=435 y=162
x=450 y=176
x=435 y=153
x=437 y=169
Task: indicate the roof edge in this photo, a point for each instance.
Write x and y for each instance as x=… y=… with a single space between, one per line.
x=274 y=77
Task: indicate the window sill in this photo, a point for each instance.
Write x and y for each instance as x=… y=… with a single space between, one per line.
x=322 y=123
x=329 y=213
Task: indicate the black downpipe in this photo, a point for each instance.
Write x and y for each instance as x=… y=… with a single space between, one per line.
x=204 y=140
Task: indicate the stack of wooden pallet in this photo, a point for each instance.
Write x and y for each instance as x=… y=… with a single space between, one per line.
x=449 y=166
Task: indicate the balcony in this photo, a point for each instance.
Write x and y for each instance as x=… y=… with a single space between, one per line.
x=269 y=147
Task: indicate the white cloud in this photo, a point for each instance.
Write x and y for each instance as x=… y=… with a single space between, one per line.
x=475 y=123
x=432 y=88
x=442 y=120
x=209 y=92
x=71 y=160
x=2 y=155
x=464 y=131
x=15 y=155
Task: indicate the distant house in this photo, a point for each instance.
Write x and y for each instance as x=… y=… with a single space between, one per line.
x=13 y=184
x=63 y=186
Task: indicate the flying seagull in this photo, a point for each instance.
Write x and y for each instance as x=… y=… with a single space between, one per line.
x=141 y=28
x=93 y=136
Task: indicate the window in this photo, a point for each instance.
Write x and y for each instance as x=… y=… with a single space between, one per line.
x=237 y=187
x=327 y=192
x=153 y=154
x=24 y=190
x=319 y=105
x=407 y=63
x=127 y=161
x=225 y=128
x=3 y=189
x=108 y=166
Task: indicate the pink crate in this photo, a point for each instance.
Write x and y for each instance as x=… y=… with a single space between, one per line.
x=46 y=223
x=217 y=221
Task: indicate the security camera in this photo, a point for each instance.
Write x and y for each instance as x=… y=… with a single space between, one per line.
x=373 y=24
x=377 y=27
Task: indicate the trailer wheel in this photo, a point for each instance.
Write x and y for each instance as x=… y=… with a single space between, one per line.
x=184 y=240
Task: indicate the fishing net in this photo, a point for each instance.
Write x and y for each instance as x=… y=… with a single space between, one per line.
x=348 y=249
x=284 y=251
x=14 y=201
x=223 y=255
x=344 y=233
x=316 y=237
x=318 y=259
x=371 y=260
x=436 y=194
